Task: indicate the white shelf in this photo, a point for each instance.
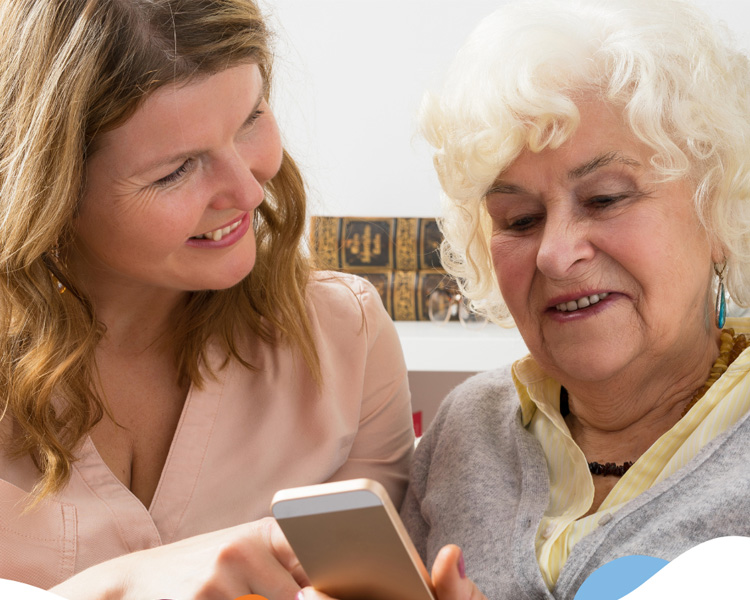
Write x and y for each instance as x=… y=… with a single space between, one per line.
x=452 y=347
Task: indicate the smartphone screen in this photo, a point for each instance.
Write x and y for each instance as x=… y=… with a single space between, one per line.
x=351 y=542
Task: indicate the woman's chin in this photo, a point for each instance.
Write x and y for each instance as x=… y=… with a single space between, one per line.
x=225 y=280
x=589 y=363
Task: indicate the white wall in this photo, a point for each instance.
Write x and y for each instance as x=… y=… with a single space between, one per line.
x=350 y=75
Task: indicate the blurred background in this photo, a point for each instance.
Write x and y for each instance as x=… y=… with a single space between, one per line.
x=350 y=75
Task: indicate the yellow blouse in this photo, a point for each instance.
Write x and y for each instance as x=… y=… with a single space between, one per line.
x=571 y=484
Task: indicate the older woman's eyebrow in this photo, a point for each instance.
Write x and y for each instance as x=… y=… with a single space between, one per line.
x=602 y=161
x=500 y=187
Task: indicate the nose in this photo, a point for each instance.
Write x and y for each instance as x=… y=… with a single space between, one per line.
x=565 y=245
x=237 y=185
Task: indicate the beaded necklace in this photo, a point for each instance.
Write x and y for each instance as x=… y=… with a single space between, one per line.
x=731 y=346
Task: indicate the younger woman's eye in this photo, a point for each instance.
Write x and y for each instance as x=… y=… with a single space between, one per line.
x=174 y=175
x=253 y=117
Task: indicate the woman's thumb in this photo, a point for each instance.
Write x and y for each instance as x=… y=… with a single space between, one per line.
x=449 y=576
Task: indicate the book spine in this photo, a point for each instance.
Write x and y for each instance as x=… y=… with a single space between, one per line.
x=405 y=294
x=325 y=234
x=374 y=244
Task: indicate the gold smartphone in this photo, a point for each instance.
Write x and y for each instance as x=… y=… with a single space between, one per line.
x=351 y=541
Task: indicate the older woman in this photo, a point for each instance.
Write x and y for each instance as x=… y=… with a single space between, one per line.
x=169 y=360
x=594 y=158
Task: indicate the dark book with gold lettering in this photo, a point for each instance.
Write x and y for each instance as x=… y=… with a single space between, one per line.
x=405 y=294
x=361 y=244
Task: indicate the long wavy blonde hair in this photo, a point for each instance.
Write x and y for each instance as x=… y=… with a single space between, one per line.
x=68 y=72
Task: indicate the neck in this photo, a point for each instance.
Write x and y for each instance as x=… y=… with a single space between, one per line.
x=136 y=314
x=136 y=320
x=649 y=392
x=618 y=420
x=626 y=444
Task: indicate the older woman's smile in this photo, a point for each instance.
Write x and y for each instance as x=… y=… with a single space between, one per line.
x=584 y=302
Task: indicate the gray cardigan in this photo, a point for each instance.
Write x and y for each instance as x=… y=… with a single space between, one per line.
x=479 y=480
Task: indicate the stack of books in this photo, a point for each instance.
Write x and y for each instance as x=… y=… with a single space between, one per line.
x=399 y=256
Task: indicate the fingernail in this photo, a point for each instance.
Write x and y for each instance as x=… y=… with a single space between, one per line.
x=461 y=568
x=299 y=596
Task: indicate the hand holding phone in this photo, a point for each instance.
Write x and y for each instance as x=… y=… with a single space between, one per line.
x=351 y=542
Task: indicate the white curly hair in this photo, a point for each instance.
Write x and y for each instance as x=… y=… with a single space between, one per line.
x=682 y=86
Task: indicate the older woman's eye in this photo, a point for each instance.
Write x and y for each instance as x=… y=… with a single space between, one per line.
x=606 y=200
x=522 y=223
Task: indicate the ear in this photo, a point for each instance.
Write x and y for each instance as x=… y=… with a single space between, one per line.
x=718 y=251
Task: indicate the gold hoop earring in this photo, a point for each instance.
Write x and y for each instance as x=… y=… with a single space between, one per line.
x=52 y=262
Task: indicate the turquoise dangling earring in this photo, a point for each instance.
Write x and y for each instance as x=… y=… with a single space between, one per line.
x=721 y=299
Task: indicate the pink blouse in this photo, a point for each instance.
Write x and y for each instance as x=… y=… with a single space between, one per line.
x=239 y=439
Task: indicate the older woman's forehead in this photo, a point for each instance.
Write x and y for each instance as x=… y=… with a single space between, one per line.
x=601 y=137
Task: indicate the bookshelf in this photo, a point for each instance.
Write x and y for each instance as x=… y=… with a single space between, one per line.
x=451 y=347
